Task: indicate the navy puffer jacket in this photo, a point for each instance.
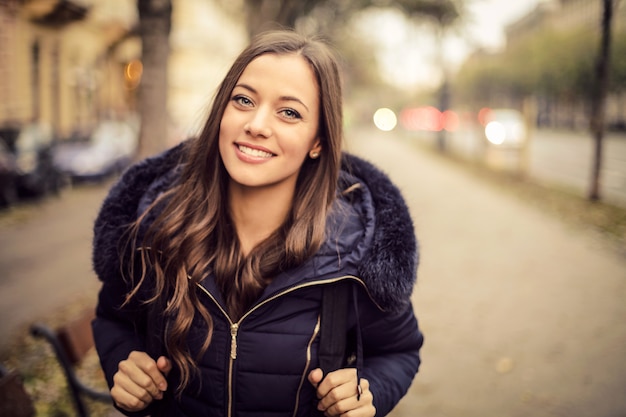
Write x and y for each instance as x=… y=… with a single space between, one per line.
x=258 y=366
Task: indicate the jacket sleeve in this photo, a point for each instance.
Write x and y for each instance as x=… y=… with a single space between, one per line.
x=391 y=358
x=114 y=328
x=120 y=328
x=117 y=332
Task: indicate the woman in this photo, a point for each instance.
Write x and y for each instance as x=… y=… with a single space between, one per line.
x=215 y=256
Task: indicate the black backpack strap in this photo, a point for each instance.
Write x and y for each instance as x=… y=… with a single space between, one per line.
x=333 y=327
x=333 y=330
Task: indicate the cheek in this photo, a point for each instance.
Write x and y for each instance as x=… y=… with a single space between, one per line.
x=229 y=122
x=298 y=149
x=227 y=129
x=224 y=125
x=309 y=143
x=223 y=142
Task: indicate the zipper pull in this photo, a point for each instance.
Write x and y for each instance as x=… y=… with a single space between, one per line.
x=233 y=340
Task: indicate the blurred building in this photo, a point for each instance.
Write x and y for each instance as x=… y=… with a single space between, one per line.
x=70 y=63
x=63 y=61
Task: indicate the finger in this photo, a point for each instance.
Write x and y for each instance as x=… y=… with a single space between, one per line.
x=155 y=372
x=133 y=380
x=143 y=371
x=335 y=398
x=129 y=395
x=336 y=379
x=363 y=406
x=315 y=376
x=127 y=401
x=164 y=365
x=354 y=407
x=341 y=386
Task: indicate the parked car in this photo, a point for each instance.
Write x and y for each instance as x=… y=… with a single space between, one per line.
x=108 y=151
x=505 y=128
x=8 y=177
x=31 y=147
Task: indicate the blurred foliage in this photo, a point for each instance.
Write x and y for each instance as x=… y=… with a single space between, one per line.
x=325 y=16
x=557 y=64
x=617 y=73
x=444 y=13
x=332 y=18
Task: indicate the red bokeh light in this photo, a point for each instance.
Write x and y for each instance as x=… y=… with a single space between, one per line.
x=451 y=120
x=483 y=115
x=422 y=118
x=429 y=118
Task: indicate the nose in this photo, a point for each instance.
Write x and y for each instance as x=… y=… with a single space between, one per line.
x=259 y=124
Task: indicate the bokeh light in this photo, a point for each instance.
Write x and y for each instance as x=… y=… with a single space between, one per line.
x=385 y=119
x=495 y=132
x=132 y=73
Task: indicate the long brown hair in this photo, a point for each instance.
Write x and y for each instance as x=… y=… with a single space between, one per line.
x=193 y=236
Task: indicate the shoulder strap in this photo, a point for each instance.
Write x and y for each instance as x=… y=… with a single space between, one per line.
x=333 y=330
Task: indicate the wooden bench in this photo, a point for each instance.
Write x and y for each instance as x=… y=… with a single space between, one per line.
x=14 y=400
x=71 y=342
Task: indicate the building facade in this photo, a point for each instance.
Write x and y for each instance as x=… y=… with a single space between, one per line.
x=68 y=64
x=62 y=62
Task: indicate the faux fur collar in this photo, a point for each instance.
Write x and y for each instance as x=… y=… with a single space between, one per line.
x=388 y=267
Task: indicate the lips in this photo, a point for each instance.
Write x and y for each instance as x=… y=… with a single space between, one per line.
x=254 y=152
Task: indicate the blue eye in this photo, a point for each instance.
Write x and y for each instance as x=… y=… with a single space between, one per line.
x=242 y=100
x=291 y=114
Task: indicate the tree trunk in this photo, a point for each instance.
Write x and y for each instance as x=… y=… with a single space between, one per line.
x=154 y=25
x=599 y=98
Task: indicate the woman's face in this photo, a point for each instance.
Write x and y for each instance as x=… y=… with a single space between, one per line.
x=270 y=123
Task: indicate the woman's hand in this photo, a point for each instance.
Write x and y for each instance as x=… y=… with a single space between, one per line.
x=139 y=381
x=339 y=394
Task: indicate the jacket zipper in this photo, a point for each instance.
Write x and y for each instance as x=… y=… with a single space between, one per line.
x=316 y=330
x=233 y=340
x=234 y=327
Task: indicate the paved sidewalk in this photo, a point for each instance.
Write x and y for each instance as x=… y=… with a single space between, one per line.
x=522 y=314
x=45 y=258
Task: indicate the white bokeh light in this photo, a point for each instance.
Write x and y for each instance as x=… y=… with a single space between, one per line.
x=385 y=119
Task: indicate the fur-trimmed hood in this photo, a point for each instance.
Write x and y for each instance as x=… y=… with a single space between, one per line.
x=387 y=249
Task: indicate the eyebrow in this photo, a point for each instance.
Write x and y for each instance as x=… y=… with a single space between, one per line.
x=282 y=98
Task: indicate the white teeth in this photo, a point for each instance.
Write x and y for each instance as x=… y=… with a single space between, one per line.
x=254 y=152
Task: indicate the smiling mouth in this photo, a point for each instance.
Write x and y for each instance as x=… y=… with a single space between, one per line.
x=257 y=153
